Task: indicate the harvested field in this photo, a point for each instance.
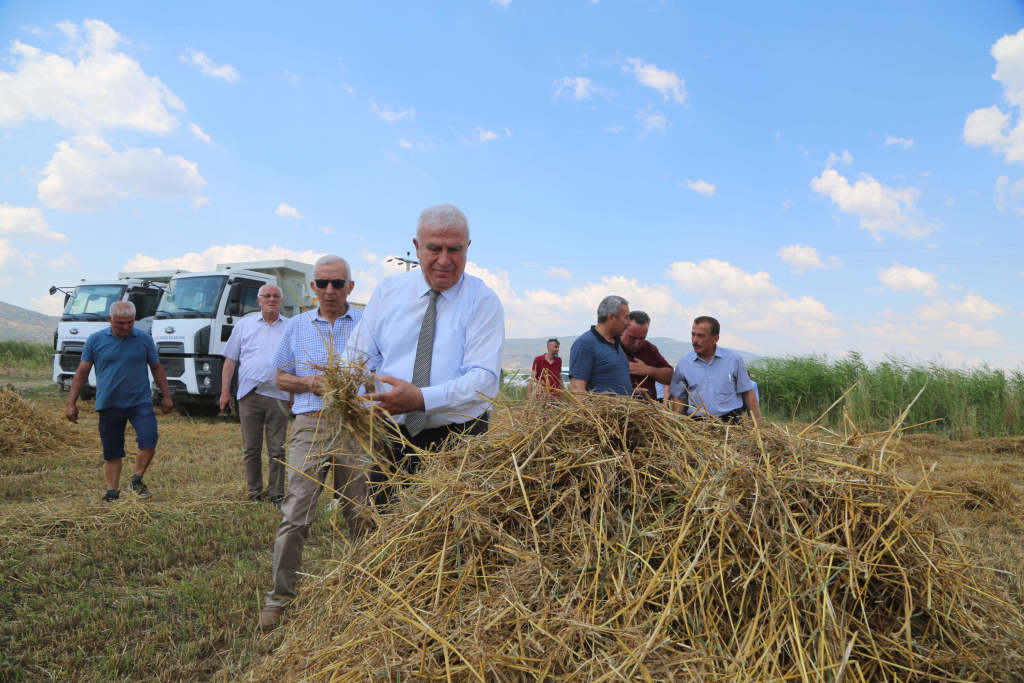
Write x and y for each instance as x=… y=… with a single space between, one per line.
x=614 y=542
x=27 y=430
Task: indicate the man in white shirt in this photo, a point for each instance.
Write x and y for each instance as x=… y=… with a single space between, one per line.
x=261 y=405
x=435 y=335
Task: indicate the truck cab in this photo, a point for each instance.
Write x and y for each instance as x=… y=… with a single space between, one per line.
x=197 y=313
x=86 y=306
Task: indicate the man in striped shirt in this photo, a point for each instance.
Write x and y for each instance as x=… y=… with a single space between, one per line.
x=313 y=338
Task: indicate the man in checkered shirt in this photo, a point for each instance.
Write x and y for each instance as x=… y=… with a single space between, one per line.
x=311 y=339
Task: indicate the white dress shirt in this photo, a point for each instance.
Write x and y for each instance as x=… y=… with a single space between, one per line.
x=251 y=344
x=469 y=340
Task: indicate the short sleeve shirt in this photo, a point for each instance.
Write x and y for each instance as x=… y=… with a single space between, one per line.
x=122 y=367
x=713 y=387
x=252 y=342
x=600 y=363
x=549 y=374
x=649 y=354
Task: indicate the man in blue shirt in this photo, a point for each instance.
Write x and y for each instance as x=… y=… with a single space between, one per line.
x=712 y=381
x=121 y=355
x=597 y=361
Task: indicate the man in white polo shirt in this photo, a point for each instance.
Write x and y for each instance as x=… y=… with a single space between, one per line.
x=262 y=407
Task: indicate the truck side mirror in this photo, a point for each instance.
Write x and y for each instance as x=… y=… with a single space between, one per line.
x=138 y=299
x=235 y=295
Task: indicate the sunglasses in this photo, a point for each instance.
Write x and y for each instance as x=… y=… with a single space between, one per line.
x=322 y=284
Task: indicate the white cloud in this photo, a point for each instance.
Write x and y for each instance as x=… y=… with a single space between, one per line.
x=228 y=253
x=880 y=208
x=580 y=88
x=388 y=113
x=104 y=89
x=909 y=279
x=990 y=127
x=905 y=143
x=616 y=129
x=48 y=305
x=786 y=205
x=668 y=83
x=965 y=332
x=503 y=3
x=324 y=229
x=700 y=187
x=66 y=260
x=405 y=143
x=90 y=175
x=846 y=159
x=1007 y=192
x=27 y=222
x=200 y=135
x=559 y=272
x=804 y=258
x=199 y=202
x=972 y=306
x=714 y=278
x=198 y=58
x=285 y=211
x=484 y=135
x=9 y=253
x=652 y=121
x=294 y=78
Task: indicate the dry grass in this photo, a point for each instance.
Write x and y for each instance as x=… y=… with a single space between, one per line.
x=611 y=541
x=27 y=430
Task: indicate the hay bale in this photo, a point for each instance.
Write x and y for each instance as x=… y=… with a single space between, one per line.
x=613 y=541
x=27 y=429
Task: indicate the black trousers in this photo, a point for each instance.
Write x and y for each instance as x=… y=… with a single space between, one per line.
x=733 y=417
x=400 y=457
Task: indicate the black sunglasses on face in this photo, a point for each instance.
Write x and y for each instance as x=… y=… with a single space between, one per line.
x=322 y=284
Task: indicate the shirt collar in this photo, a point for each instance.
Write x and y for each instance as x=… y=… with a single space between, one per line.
x=422 y=287
x=110 y=332
x=317 y=316
x=600 y=338
x=718 y=354
x=280 y=319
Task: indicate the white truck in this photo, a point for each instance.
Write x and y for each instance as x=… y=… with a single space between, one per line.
x=85 y=311
x=197 y=313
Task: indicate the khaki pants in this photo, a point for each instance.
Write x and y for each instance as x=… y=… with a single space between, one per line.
x=311 y=437
x=260 y=414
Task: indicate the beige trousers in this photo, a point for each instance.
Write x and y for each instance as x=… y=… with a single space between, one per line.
x=312 y=456
x=260 y=414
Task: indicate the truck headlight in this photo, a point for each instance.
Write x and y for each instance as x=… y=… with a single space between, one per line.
x=206 y=381
x=206 y=367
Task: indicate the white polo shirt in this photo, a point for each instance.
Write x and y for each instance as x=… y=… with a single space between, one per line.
x=251 y=344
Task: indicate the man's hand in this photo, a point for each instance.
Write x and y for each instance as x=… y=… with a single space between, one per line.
x=166 y=404
x=225 y=401
x=71 y=413
x=313 y=384
x=404 y=397
x=638 y=367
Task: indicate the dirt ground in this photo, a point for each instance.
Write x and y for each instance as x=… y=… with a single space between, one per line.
x=169 y=589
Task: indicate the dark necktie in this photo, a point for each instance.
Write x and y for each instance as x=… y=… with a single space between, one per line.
x=417 y=420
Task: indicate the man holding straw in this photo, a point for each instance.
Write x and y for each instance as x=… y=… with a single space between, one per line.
x=436 y=335
x=311 y=342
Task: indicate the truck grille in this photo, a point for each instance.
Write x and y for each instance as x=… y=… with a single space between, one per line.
x=173 y=366
x=69 y=361
x=170 y=347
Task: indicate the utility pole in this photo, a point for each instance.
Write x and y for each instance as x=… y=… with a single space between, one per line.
x=409 y=263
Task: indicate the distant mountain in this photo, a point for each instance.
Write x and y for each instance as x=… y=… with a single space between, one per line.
x=25 y=325
x=519 y=353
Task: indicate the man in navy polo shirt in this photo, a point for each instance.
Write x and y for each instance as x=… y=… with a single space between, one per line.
x=121 y=355
x=597 y=361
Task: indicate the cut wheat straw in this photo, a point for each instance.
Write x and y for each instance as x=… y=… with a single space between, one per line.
x=611 y=541
x=27 y=429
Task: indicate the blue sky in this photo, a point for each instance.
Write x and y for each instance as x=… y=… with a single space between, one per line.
x=820 y=178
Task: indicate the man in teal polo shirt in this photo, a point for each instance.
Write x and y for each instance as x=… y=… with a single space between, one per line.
x=121 y=355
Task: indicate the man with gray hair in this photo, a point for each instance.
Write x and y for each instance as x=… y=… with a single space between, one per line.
x=262 y=407
x=121 y=355
x=597 y=361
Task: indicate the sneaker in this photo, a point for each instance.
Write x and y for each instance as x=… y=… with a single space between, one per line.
x=277 y=500
x=111 y=496
x=140 y=489
x=255 y=497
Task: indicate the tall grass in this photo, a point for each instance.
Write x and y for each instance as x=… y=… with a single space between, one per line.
x=21 y=354
x=969 y=402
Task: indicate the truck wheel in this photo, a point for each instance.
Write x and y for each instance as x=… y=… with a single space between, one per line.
x=197 y=409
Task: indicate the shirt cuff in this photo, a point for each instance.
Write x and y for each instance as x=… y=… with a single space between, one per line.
x=433 y=398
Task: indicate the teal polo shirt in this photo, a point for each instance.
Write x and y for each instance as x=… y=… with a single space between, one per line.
x=122 y=367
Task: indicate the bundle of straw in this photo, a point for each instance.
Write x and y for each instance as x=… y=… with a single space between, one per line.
x=25 y=429
x=612 y=541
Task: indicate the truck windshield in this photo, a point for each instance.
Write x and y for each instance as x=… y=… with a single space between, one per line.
x=93 y=300
x=193 y=296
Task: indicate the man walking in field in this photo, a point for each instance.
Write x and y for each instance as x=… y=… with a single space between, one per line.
x=313 y=339
x=121 y=355
x=546 y=373
x=646 y=364
x=597 y=362
x=712 y=382
x=262 y=407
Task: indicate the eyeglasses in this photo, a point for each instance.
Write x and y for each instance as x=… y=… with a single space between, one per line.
x=322 y=284
x=270 y=296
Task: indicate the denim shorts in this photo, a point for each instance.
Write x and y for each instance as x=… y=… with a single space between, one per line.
x=112 y=425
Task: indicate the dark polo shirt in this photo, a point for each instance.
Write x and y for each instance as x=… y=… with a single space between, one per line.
x=648 y=353
x=600 y=363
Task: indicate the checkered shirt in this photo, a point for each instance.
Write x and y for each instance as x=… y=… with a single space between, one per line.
x=307 y=341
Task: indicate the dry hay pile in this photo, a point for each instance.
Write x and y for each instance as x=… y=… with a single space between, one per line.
x=610 y=541
x=27 y=429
